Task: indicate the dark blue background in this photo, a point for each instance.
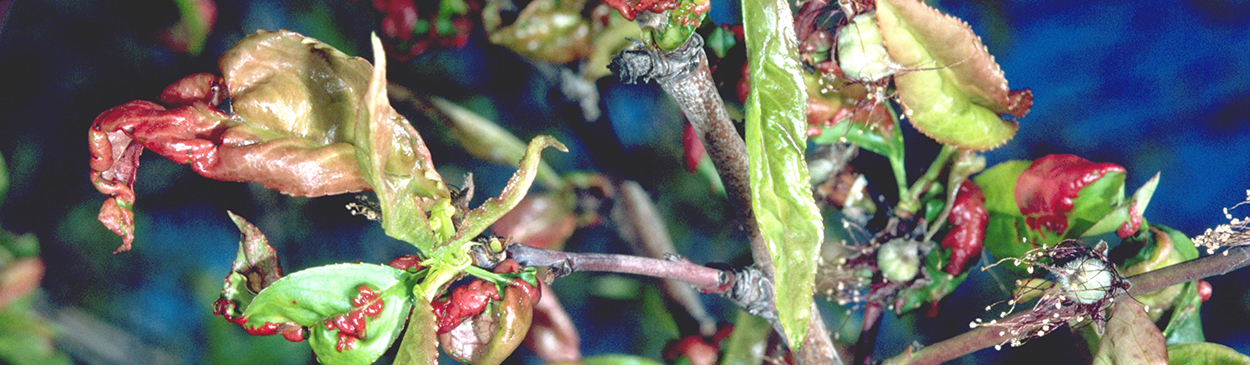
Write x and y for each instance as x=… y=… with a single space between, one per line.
x=1155 y=86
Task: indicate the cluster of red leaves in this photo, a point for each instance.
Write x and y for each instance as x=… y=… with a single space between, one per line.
x=630 y=11
x=412 y=28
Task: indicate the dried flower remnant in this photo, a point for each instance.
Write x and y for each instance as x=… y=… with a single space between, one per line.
x=1085 y=285
x=1226 y=235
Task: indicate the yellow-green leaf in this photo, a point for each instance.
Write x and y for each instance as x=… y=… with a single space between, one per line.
x=776 y=138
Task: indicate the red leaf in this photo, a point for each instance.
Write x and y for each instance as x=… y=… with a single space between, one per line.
x=968 y=219
x=1045 y=191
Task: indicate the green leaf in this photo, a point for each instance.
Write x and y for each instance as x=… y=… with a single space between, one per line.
x=1131 y=337
x=748 y=342
x=1185 y=325
x=942 y=283
x=255 y=267
x=1134 y=206
x=1094 y=202
x=394 y=160
x=1205 y=353
x=959 y=102
x=1003 y=233
x=781 y=195
x=720 y=41
x=486 y=140
x=999 y=185
x=478 y=219
x=618 y=360
x=420 y=344
x=314 y=297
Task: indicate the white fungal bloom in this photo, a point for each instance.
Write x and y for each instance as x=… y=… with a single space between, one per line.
x=1087 y=280
x=861 y=51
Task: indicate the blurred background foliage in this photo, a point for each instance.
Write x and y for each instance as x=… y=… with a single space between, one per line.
x=1149 y=85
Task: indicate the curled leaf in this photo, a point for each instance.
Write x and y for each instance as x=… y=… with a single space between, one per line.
x=394 y=160
x=295 y=105
x=968 y=219
x=353 y=311
x=490 y=336
x=960 y=100
x=546 y=30
x=1058 y=191
x=478 y=219
x=254 y=269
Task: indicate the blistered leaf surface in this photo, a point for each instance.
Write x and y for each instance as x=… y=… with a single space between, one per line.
x=781 y=195
x=255 y=268
x=1061 y=190
x=354 y=311
x=958 y=91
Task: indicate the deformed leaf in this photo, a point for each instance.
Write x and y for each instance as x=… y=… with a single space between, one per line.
x=1061 y=192
x=394 y=160
x=959 y=94
x=255 y=268
x=1205 y=353
x=781 y=195
x=296 y=103
x=354 y=311
x=1131 y=337
x=549 y=31
x=478 y=219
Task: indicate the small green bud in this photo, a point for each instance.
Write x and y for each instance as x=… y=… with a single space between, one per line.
x=899 y=260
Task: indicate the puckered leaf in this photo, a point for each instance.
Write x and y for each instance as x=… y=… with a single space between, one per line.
x=1131 y=338
x=960 y=100
x=1157 y=251
x=296 y=104
x=395 y=162
x=354 y=311
x=1205 y=353
x=781 y=195
x=1058 y=193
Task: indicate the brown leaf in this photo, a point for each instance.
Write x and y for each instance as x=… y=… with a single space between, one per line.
x=552 y=335
x=1131 y=337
